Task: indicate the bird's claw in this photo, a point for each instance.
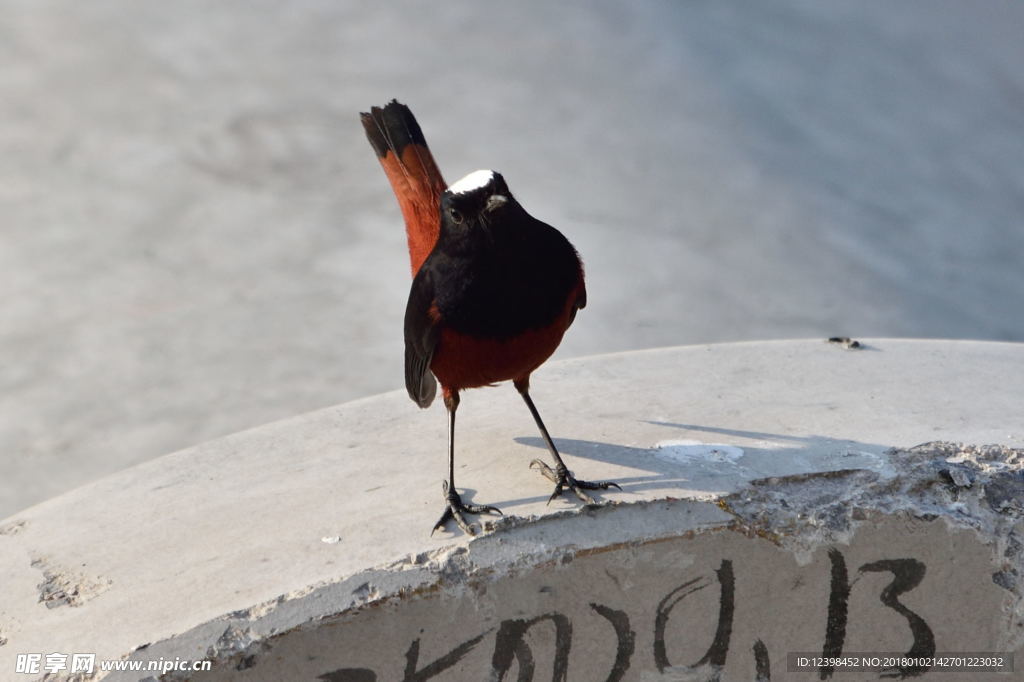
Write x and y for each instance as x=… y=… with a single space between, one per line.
x=456 y=509
x=563 y=478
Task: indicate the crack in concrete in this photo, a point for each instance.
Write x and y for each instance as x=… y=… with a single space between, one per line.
x=65 y=588
x=976 y=487
x=14 y=527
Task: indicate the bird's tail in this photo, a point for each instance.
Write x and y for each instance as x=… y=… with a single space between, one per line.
x=414 y=177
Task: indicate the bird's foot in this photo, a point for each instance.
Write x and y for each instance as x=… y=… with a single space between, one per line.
x=563 y=479
x=456 y=510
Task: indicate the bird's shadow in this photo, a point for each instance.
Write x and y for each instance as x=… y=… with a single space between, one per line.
x=762 y=455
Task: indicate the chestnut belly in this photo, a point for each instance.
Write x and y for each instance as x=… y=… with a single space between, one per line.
x=463 y=361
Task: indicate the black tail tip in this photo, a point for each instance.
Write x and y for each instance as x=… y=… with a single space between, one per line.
x=391 y=127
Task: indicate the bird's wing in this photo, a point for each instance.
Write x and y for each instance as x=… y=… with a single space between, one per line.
x=422 y=331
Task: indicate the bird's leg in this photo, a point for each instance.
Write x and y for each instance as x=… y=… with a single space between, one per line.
x=455 y=509
x=560 y=475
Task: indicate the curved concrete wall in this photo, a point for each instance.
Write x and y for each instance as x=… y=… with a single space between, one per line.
x=779 y=499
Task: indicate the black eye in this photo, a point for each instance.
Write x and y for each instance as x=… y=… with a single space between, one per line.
x=455 y=215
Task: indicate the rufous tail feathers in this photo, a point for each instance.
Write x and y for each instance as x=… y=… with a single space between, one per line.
x=414 y=177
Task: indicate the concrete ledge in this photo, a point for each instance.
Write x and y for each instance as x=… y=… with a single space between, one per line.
x=772 y=504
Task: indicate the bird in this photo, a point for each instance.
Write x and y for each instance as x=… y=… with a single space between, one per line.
x=494 y=290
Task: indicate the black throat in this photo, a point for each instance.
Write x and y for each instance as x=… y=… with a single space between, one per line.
x=499 y=273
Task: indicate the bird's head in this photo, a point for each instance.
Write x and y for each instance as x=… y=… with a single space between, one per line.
x=476 y=199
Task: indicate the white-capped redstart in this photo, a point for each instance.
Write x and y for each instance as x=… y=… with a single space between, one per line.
x=493 y=291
